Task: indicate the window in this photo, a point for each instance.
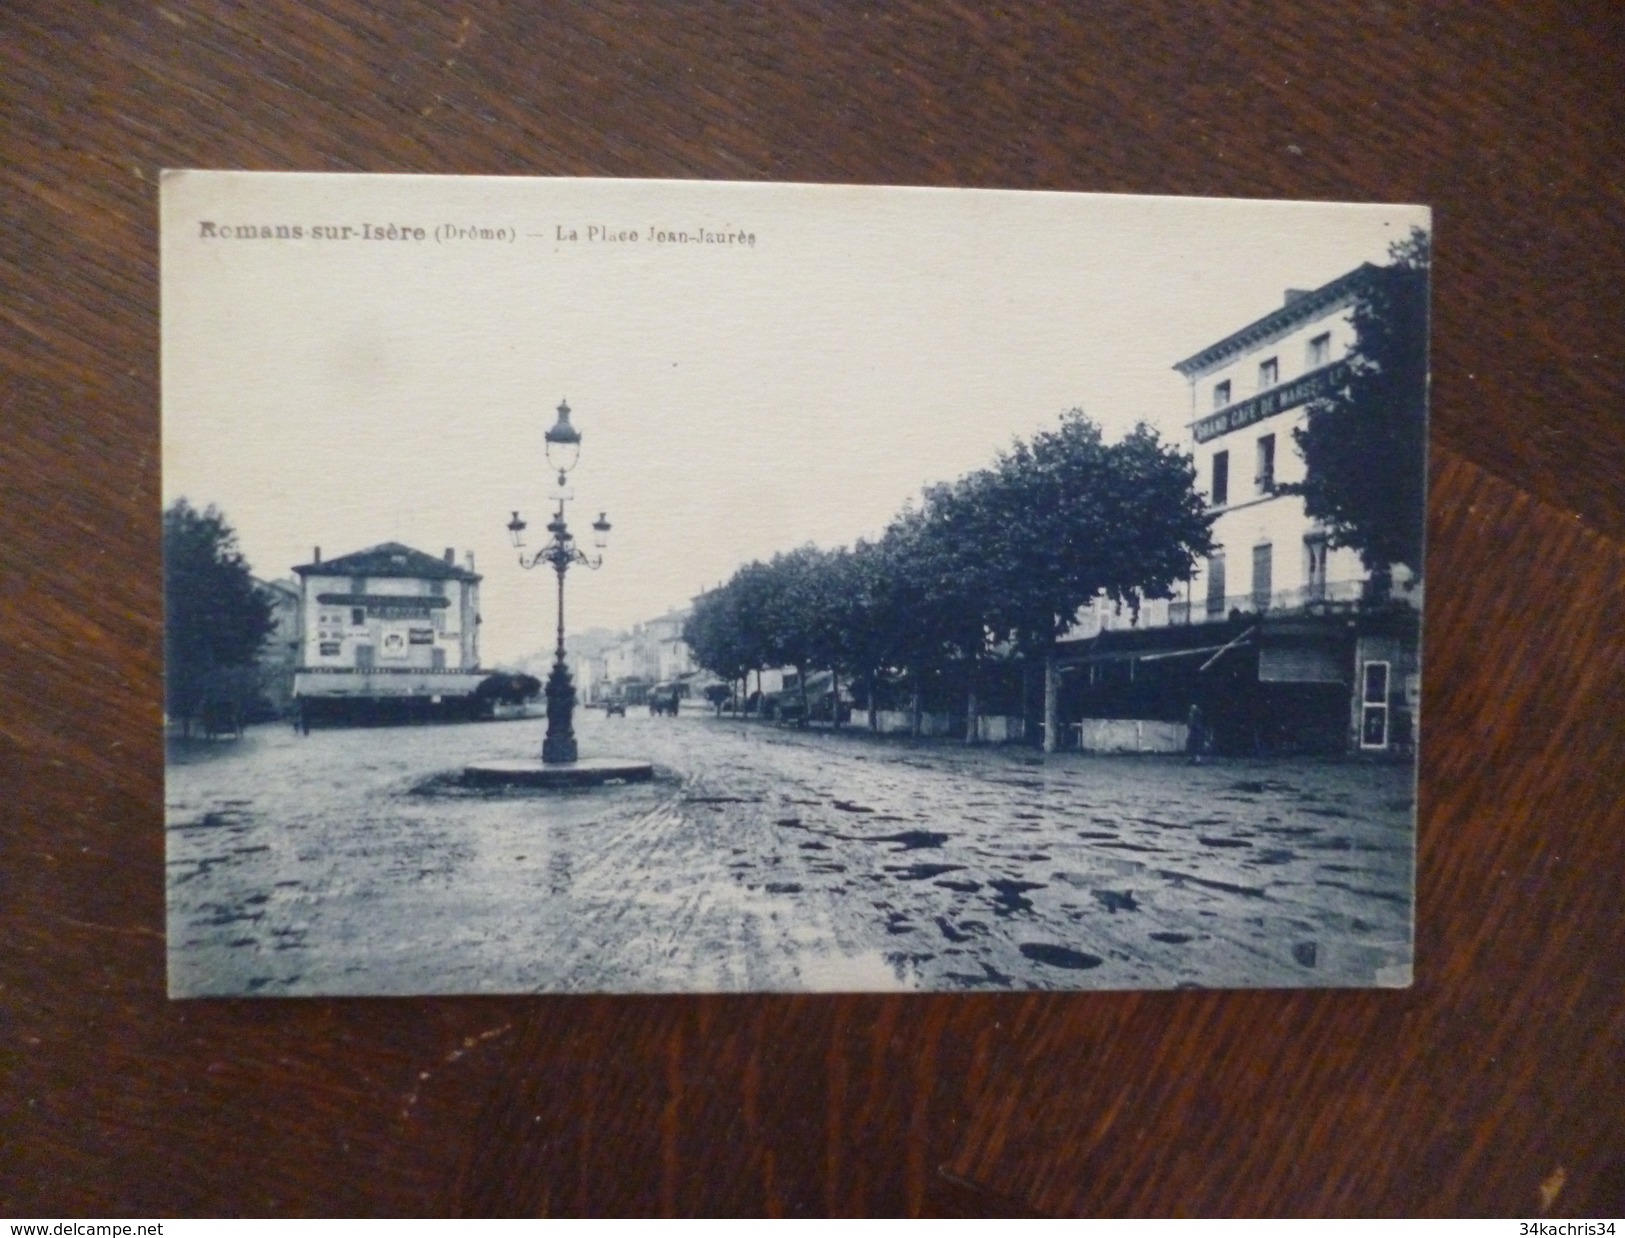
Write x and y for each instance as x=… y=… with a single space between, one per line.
x=1318 y=352
x=1314 y=566
x=1265 y=475
x=1263 y=572
x=437 y=588
x=1215 y=583
x=1221 y=394
x=358 y=584
x=358 y=616
x=1221 y=478
x=1269 y=373
x=1374 y=706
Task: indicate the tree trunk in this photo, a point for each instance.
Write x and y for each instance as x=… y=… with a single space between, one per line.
x=1026 y=694
x=801 y=681
x=834 y=699
x=914 y=703
x=874 y=717
x=970 y=699
x=1052 y=703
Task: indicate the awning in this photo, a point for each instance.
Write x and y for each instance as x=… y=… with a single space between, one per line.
x=1162 y=655
x=1188 y=653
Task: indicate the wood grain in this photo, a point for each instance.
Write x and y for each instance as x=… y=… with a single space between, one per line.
x=1458 y=1096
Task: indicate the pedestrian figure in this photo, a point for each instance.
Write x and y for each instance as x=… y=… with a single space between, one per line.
x=1195 y=734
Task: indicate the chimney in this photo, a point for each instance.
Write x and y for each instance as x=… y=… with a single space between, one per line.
x=471 y=560
x=1293 y=294
x=451 y=556
x=317 y=555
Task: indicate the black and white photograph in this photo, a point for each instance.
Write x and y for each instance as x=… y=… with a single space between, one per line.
x=594 y=586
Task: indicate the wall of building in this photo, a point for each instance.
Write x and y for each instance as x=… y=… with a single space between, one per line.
x=1289 y=348
x=1254 y=515
x=279 y=656
x=901 y=722
x=405 y=640
x=1130 y=735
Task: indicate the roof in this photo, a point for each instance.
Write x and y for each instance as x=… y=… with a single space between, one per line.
x=388 y=559
x=285 y=587
x=1302 y=308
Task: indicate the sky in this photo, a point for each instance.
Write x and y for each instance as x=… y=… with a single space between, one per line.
x=735 y=399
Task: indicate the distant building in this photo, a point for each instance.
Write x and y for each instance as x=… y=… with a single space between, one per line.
x=652 y=658
x=629 y=670
x=585 y=654
x=1277 y=637
x=279 y=655
x=387 y=631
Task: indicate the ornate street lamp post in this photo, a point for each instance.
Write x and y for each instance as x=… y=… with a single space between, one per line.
x=560 y=553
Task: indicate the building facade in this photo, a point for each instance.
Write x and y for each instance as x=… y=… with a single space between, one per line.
x=387 y=631
x=1279 y=639
x=651 y=657
x=279 y=655
x=651 y=661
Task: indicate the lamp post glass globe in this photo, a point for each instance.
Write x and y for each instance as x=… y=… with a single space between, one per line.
x=563 y=443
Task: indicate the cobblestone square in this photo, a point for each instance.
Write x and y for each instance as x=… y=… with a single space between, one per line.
x=348 y=862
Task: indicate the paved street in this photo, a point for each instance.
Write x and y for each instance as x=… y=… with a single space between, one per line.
x=765 y=859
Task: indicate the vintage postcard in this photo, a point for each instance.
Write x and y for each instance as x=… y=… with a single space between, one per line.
x=640 y=586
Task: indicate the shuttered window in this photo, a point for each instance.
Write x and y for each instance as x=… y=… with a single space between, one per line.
x=1263 y=571
x=1215 y=584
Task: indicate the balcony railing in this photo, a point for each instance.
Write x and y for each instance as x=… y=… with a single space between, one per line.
x=1330 y=595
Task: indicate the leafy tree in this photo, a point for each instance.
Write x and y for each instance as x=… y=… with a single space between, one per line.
x=996 y=563
x=1084 y=518
x=1364 y=445
x=715 y=634
x=876 y=625
x=507 y=688
x=1062 y=519
x=215 y=620
x=800 y=602
x=739 y=628
x=917 y=606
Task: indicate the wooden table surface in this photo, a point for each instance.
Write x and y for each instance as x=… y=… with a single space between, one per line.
x=1495 y=1085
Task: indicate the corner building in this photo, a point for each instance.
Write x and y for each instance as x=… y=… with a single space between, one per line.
x=1278 y=637
x=388 y=633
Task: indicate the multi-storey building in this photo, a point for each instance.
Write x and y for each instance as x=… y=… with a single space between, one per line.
x=387 y=630
x=1279 y=638
x=1249 y=393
